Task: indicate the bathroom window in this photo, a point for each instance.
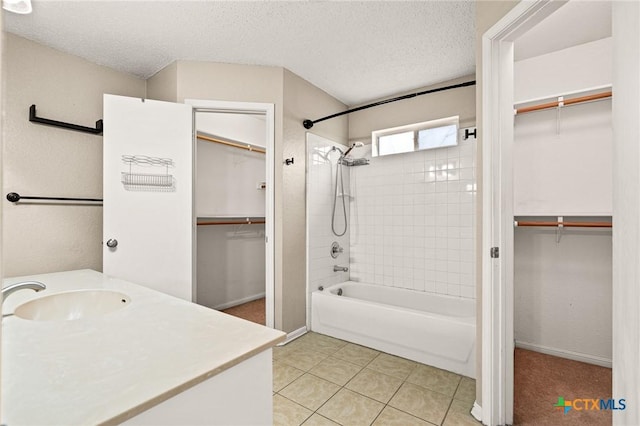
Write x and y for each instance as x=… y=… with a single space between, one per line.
x=416 y=137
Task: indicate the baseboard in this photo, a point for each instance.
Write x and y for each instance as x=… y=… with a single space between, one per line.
x=294 y=335
x=237 y=302
x=576 y=356
x=476 y=411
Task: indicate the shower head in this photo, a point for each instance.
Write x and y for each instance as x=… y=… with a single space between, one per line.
x=335 y=148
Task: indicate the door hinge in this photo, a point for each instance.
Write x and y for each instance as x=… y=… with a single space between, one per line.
x=495 y=252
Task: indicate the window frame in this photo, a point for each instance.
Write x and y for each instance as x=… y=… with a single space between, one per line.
x=415 y=129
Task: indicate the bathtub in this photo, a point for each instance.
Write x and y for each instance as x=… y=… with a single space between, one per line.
x=432 y=329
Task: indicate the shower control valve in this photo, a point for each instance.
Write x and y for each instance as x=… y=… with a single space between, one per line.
x=336 y=249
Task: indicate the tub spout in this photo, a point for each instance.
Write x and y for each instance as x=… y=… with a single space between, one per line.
x=337 y=268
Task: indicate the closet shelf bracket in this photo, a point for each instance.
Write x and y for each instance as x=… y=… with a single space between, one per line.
x=35 y=119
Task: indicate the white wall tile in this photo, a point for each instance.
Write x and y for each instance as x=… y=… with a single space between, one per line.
x=411 y=221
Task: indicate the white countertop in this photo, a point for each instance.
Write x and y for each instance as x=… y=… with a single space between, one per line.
x=108 y=369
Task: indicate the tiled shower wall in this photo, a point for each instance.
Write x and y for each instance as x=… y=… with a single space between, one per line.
x=413 y=219
x=321 y=174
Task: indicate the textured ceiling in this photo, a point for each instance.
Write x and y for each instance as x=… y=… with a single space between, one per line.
x=355 y=51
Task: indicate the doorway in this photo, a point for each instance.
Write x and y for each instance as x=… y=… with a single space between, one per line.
x=499 y=212
x=234 y=208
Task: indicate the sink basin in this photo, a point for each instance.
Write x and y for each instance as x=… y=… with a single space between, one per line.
x=73 y=305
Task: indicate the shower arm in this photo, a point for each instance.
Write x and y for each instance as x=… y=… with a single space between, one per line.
x=354 y=145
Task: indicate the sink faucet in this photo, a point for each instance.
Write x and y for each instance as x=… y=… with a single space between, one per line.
x=33 y=285
x=337 y=268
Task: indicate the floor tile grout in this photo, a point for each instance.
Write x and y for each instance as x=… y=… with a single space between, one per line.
x=451 y=398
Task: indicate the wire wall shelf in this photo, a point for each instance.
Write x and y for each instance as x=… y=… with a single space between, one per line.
x=136 y=180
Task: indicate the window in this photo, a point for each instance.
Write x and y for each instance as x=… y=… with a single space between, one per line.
x=416 y=137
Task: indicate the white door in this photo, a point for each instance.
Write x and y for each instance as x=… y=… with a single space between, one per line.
x=148 y=194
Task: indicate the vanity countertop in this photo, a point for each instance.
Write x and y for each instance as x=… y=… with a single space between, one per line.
x=110 y=368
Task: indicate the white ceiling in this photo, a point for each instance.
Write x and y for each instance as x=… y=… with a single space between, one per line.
x=576 y=22
x=356 y=51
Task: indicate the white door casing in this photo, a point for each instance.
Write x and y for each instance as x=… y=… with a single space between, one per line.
x=497 y=200
x=148 y=193
x=268 y=110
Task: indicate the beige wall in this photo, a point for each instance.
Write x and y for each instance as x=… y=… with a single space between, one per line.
x=487 y=14
x=163 y=86
x=47 y=161
x=302 y=101
x=448 y=103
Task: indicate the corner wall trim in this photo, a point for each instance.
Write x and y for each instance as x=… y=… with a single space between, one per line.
x=476 y=411
x=294 y=335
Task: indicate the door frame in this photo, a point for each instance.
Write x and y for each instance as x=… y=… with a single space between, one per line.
x=497 y=200
x=268 y=110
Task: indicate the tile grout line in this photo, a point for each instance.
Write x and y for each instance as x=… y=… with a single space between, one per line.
x=361 y=369
x=451 y=402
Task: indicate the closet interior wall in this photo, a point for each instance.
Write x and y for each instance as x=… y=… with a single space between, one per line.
x=230 y=192
x=563 y=172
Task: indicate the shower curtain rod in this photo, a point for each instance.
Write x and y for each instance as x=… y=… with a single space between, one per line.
x=309 y=123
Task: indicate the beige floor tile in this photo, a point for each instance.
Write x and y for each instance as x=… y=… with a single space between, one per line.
x=420 y=402
x=310 y=391
x=393 y=366
x=335 y=370
x=460 y=415
x=392 y=417
x=435 y=379
x=356 y=354
x=349 y=408
x=281 y=351
x=288 y=413
x=283 y=374
x=318 y=420
x=374 y=385
x=302 y=359
x=321 y=343
x=466 y=390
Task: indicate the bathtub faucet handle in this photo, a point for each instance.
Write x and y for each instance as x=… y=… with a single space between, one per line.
x=336 y=249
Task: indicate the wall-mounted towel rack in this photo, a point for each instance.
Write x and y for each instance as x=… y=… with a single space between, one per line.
x=248 y=146
x=15 y=198
x=232 y=221
x=560 y=102
x=34 y=119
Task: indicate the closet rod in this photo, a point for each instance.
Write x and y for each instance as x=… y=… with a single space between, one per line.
x=232 y=222
x=248 y=147
x=565 y=102
x=564 y=224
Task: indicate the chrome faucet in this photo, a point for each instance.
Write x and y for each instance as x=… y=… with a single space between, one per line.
x=337 y=268
x=33 y=285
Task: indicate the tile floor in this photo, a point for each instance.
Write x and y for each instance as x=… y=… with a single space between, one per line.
x=319 y=380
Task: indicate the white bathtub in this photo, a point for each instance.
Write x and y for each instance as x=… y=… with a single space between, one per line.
x=433 y=329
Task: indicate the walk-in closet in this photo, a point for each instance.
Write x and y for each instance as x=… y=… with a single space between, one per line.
x=562 y=203
x=230 y=208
